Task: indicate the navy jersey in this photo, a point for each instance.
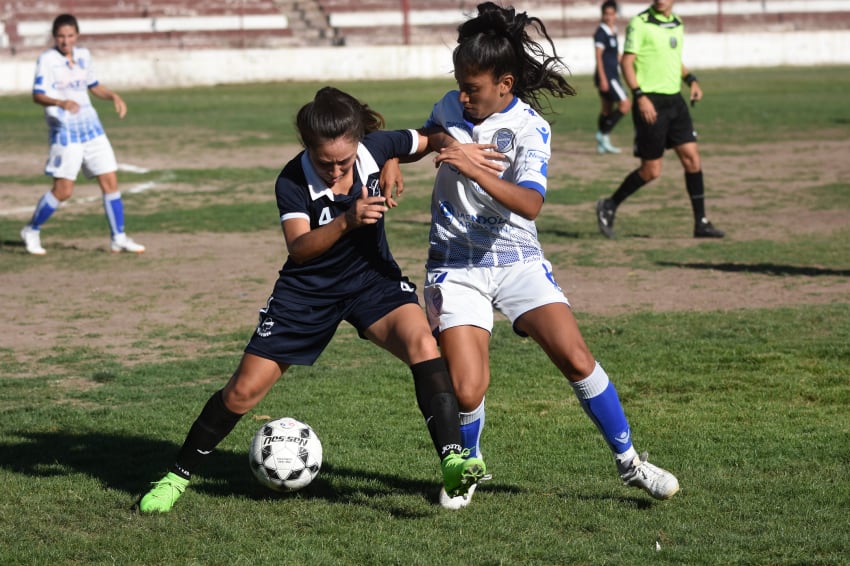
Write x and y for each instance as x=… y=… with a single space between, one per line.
x=606 y=39
x=359 y=256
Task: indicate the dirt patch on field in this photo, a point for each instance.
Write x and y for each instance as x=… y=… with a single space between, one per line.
x=166 y=302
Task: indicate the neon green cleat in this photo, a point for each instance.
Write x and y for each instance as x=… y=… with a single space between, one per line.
x=460 y=472
x=164 y=494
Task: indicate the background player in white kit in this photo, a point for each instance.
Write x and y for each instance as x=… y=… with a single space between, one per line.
x=484 y=251
x=63 y=77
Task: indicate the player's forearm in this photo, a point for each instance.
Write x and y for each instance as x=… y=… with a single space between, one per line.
x=520 y=200
x=314 y=243
x=628 y=68
x=45 y=100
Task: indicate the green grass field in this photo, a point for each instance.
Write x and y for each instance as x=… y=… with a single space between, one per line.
x=749 y=407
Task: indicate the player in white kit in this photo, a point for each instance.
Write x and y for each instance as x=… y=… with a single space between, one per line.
x=484 y=251
x=63 y=77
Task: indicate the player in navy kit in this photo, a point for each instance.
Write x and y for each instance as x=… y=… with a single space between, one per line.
x=614 y=99
x=484 y=251
x=339 y=268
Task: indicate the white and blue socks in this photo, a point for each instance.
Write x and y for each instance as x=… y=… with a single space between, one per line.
x=46 y=206
x=471 y=425
x=114 y=208
x=600 y=401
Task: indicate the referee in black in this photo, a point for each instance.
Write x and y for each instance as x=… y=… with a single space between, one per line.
x=653 y=70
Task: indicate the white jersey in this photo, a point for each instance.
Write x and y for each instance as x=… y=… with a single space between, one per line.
x=469 y=228
x=57 y=78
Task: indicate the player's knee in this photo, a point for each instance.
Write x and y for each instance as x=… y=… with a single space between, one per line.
x=469 y=394
x=650 y=171
x=422 y=347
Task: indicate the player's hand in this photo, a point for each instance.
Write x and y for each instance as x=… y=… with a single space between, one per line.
x=391 y=177
x=696 y=93
x=647 y=110
x=120 y=106
x=473 y=159
x=70 y=106
x=366 y=210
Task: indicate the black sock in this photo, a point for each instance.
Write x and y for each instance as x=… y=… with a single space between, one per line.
x=438 y=404
x=630 y=185
x=600 y=122
x=696 y=190
x=212 y=425
x=609 y=121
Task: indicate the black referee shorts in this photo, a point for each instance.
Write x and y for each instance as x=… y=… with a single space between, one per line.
x=672 y=128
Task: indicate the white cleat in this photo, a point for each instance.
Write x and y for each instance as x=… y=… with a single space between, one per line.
x=32 y=241
x=458 y=502
x=121 y=243
x=657 y=482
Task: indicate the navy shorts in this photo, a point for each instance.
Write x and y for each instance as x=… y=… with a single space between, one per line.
x=672 y=128
x=293 y=331
x=615 y=92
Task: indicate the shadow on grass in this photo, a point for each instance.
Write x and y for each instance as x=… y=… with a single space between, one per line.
x=131 y=463
x=762 y=268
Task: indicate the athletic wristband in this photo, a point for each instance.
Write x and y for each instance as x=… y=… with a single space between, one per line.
x=689 y=79
x=637 y=93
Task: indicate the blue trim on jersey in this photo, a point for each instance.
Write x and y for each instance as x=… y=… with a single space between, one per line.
x=534 y=187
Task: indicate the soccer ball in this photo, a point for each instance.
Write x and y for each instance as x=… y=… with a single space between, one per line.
x=285 y=454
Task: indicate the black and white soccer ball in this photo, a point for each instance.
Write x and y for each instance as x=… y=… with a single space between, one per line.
x=285 y=454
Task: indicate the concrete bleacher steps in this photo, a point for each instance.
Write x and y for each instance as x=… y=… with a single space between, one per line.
x=183 y=24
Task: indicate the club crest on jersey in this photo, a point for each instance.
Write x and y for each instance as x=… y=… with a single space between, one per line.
x=673 y=42
x=503 y=139
x=374 y=188
x=264 y=329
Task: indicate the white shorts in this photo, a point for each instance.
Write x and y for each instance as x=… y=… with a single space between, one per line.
x=94 y=157
x=458 y=296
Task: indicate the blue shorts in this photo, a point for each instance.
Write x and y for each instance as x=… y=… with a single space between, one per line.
x=294 y=331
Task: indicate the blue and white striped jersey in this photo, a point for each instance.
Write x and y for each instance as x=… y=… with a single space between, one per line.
x=57 y=78
x=469 y=228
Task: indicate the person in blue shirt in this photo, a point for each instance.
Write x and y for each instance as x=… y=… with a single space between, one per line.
x=339 y=269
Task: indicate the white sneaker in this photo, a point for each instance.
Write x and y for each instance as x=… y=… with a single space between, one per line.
x=458 y=502
x=607 y=145
x=121 y=243
x=461 y=501
x=32 y=240
x=657 y=482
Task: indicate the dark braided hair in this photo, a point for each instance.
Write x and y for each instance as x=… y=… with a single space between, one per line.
x=333 y=114
x=496 y=41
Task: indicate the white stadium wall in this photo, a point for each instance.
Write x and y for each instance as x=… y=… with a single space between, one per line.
x=183 y=68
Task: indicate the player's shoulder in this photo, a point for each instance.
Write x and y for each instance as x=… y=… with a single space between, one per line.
x=293 y=172
x=51 y=54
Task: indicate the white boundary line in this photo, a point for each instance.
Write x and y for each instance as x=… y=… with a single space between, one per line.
x=135 y=189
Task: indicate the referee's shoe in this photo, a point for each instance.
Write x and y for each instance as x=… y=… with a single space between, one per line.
x=705 y=229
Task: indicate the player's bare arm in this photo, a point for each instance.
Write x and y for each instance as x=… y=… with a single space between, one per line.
x=693 y=85
x=600 y=71
x=643 y=104
x=481 y=164
x=304 y=244
x=67 y=105
x=104 y=93
x=391 y=176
